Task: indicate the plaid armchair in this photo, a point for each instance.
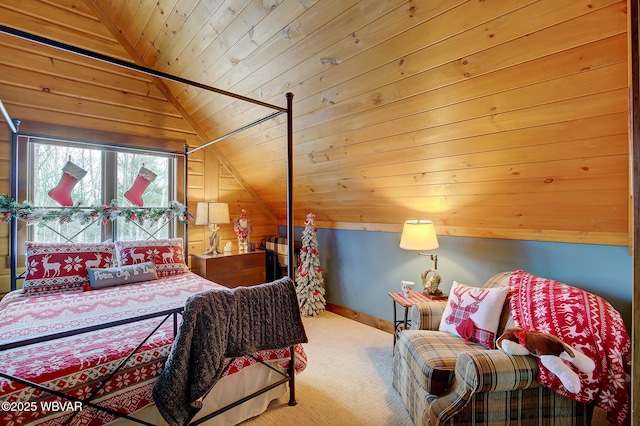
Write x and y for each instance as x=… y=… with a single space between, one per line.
x=442 y=380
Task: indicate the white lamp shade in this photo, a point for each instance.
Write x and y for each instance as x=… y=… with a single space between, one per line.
x=419 y=235
x=208 y=213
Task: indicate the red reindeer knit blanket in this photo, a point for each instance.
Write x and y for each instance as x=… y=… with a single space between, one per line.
x=586 y=322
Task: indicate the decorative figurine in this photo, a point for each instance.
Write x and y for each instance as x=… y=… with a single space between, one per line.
x=242 y=226
x=431 y=283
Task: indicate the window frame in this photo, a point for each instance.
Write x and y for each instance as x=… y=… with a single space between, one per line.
x=109 y=151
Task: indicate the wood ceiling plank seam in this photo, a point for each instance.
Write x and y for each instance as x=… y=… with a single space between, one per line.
x=467 y=158
x=300 y=103
x=418 y=122
x=536 y=136
x=349 y=38
x=506 y=213
x=186 y=34
x=177 y=17
x=311 y=18
x=610 y=77
x=470 y=36
x=113 y=9
x=577 y=237
x=154 y=24
x=346 y=47
x=56 y=13
x=59 y=32
x=302 y=141
x=613 y=181
x=502 y=80
x=284 y=39
x=52 y=116
x=271 y=25
x=426 y=136
x=85 y=91
x=556 y=169
x=75 y=6
x=301 y=109
x=186 y=117
x=424 y=172
x=375 y=132
x=100 y=77
x=143 y=13
x=217 y=23
x=92 y=109
x=117 y=137
x=510 y=202
x=408 y=39
x=127 y=14
x=241 y=24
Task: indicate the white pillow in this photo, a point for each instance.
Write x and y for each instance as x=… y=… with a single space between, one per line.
x=473 y=313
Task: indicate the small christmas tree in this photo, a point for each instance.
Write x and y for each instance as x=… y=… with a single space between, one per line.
x=309 y=282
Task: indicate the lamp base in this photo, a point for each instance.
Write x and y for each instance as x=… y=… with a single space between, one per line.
x=214 y=240
x=441 y=296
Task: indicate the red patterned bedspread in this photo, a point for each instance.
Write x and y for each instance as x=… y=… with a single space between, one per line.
x=76 y=364
x=586 y=322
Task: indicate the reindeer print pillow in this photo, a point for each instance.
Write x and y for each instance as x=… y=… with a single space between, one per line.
x=473 y=313
x=53 y=267
x=167 y=254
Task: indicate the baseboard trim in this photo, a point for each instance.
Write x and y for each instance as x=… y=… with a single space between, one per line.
x=362 y=318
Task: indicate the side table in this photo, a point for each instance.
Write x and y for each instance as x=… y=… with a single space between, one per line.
x=406 y=303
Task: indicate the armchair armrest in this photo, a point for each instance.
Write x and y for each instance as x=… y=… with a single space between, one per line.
x=482 y=372
x=427 y=315
x=495 y=371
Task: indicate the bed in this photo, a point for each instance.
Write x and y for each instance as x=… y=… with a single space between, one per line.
x=89 y=320
x=76 y=364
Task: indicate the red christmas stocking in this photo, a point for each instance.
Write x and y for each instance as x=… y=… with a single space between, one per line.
x=71 y=175
x=144 y=178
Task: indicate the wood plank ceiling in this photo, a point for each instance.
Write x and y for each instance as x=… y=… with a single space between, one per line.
x=492 y=118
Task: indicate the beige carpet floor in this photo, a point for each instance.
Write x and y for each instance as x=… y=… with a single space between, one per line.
x=347 y=380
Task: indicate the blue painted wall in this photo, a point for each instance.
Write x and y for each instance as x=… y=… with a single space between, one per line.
x=361 y=267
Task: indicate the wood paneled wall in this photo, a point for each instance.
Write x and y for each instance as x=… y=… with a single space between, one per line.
x=494 y=119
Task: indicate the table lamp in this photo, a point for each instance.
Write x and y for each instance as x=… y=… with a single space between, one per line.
x=421 y=235
x=212 y=214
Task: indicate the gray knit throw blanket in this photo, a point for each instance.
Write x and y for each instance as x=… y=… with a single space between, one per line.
x=218 y=324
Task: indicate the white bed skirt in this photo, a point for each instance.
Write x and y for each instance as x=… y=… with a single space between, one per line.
x=227 y=390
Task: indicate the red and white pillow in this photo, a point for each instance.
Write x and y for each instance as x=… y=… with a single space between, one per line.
x=167 y=254
x=473 y=313
x=54 y=267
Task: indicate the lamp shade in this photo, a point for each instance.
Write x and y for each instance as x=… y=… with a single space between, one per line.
x=208 y=213
x=419 y=235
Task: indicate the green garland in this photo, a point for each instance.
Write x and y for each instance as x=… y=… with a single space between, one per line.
x=10 y=209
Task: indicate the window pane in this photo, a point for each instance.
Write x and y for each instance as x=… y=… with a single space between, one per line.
x=135 y=174
x=48 y=174
x=154 y=193
x=48 y=164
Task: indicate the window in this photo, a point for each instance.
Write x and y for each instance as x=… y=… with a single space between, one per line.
x=101 y=175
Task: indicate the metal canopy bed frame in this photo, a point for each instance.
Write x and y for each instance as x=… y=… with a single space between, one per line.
x=289 y=376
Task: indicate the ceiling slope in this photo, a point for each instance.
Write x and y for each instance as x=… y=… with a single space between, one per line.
x=495 y=119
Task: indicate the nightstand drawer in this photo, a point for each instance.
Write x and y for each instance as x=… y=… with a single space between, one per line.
x=231 y=270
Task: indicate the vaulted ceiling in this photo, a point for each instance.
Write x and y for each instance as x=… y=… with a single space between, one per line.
x=504 y=119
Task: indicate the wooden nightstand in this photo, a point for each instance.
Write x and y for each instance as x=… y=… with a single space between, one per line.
x=231 y=270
